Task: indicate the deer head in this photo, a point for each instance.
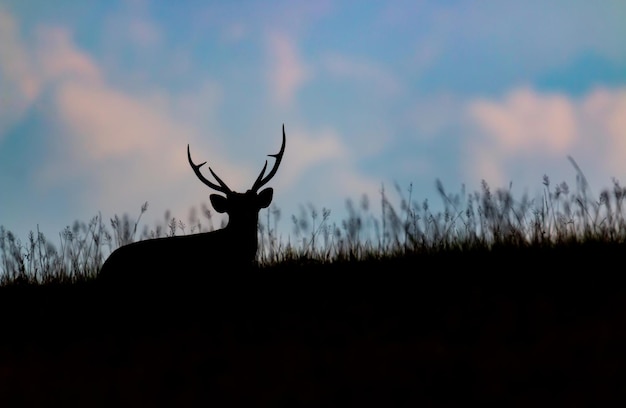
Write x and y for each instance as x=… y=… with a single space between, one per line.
x=242 y=208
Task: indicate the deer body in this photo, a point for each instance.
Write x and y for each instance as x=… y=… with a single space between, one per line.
x=185 y=257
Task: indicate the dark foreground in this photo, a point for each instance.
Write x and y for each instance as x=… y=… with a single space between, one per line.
x=412 y=333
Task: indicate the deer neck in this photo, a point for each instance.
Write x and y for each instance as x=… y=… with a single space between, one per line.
x=244 y=228
x=243 y=234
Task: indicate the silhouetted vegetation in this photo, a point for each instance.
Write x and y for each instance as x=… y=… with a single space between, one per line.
x=470 y=223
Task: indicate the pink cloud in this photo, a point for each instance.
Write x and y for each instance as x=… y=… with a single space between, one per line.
x=528 y=121
x=287 y=71
x=527 y=125
x=111 y=123
x=604 y=112
x=122 y=148
x=58 y=58
x=18 y=80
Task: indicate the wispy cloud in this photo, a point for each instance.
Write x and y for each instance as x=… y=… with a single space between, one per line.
x=320 y=169
x=18 y=80
x=310 y=149
x=287 y=72
x=58 y=58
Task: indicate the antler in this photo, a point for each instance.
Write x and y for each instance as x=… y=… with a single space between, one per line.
x=196 y=168
x=260 y=181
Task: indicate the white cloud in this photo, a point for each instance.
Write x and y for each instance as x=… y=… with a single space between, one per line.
x=287 y=72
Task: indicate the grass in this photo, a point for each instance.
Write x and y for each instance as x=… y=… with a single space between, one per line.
x=469 y=223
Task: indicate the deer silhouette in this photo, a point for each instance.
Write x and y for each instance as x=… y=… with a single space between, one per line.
x=181 y=257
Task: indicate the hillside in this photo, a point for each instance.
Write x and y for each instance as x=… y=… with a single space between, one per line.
x=512 y=327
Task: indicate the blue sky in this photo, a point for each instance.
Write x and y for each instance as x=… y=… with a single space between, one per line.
x=99 y=99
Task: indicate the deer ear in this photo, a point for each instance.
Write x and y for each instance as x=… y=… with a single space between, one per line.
x=219 y=203
x=265 y=198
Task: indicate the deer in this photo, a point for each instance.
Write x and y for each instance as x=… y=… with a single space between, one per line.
x=180 y=257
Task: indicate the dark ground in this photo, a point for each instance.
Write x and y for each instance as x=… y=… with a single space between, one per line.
x=507 y=329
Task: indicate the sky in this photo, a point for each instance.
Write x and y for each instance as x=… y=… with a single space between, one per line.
x=99 y=99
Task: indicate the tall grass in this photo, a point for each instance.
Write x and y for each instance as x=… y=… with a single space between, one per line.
x=469 y=221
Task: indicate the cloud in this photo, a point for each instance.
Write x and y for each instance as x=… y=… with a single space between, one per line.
x=319 y=169
x=59 y=59
x=115 y=148
x=102 y=123
x=106 y=123
x=121 y=149
x=603 y=112
x=308 y=150
x=19 y=83
x=118 y=148
x=287 y=71
x=529 y=127
x=528 y=122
